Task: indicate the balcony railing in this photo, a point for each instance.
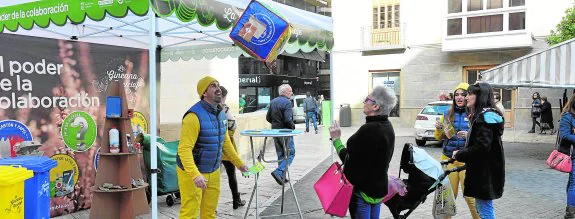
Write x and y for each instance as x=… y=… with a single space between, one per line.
x=382 y=39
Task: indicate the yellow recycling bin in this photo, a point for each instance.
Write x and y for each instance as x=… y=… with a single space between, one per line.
x=12 y=189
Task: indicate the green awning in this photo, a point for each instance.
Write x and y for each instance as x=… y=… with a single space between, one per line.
x=58 y=12
x=207 y=22
x=201 y=52
x=305 y=37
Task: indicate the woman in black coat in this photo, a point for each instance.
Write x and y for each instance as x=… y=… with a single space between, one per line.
x=546 y=115
x=483 y=152
x=368 y=153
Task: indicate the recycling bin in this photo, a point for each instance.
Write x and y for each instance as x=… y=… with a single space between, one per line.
x=37 y=188
x=12 y=200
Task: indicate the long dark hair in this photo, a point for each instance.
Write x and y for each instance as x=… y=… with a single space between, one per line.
x=569 y=106
x=484 y=98
x=538 y=96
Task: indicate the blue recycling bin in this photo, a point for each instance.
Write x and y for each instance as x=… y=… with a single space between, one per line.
x=37 y=188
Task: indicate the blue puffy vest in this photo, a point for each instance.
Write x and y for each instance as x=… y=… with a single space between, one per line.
x=208 y=149
x=460 y=123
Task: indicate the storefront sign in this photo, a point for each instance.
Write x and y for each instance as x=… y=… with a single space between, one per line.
x=283 y=79
x=246 y=80
x=308 y=82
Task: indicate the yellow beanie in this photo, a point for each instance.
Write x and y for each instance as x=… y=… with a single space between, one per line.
x=462 y=86
x=204 y=83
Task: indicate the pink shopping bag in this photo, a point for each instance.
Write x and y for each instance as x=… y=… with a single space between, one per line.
x=334 y=191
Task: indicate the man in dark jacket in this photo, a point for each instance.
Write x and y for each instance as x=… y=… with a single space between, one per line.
x=280 y=115
x=310 y=107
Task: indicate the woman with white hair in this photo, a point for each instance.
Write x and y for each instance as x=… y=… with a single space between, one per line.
x=368 y=153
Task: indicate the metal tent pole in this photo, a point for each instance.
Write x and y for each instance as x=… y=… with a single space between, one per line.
x=153 y=115
x=331 y=96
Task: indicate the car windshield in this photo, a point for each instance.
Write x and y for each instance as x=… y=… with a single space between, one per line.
x=299 y=102
x=435 y=109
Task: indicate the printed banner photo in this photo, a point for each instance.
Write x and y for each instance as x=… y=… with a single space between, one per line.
x=54 y=102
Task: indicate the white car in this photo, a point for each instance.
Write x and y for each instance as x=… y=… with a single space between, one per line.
x=298 y=111
x=425 y=122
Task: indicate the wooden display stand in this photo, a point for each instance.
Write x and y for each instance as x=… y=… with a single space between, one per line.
x=118 y=169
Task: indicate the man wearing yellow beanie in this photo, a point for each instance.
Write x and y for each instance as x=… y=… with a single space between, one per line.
x=203 y=142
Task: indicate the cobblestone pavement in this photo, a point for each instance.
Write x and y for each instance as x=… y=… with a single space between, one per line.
x=531 y=190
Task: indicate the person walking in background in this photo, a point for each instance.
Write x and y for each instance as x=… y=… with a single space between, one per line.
x=567 y=136
x=203 y=141
x=318 y=102
x=310 y=107
x=483 y=150
x=535 y=111
x=280 y=115
x=453 y=121
x=368 y=153
x=546 y=116
x=230 y=169
x=498 y=104
x=242 y=103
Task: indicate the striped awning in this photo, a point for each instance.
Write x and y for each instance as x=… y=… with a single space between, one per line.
x=550 y=68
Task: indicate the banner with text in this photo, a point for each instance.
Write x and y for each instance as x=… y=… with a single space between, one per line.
x=53 y=104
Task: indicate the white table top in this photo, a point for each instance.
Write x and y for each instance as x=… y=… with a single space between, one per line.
x=271 y=133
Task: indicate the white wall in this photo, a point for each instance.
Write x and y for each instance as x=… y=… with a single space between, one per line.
x=349 y=75
x=178 y=85
x=543 y=16
x=422 y=21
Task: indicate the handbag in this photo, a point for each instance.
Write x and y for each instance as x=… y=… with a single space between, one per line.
x=334 y=191
x=558 y=160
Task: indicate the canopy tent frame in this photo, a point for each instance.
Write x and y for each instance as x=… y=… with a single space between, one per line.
x=86 y=31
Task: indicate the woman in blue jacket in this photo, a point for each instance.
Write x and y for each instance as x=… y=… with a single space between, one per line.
x=455 y=120
x=566 y=132
x=483 y=151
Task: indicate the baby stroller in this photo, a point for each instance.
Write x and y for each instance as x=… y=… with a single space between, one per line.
x=167 y=177
x=425 y=176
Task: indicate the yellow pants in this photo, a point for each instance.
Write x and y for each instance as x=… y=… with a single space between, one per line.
x=196 y=200
x=457 y=179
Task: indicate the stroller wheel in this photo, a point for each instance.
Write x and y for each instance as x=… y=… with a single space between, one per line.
x=170 y=200
x=177 y=194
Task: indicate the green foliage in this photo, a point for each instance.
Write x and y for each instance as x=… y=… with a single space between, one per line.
x=565 y=30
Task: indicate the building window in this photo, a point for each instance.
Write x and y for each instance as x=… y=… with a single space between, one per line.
x=375 y=22
x=391 y=80
x=386 y=17
x=382 y=17
x=484 y=24
x=454 y=26
x=517 y=21
x=515 y=3
x=492 y=4
x=474 y=5
x=473 y=74
x=454 y=6
x=396 y=16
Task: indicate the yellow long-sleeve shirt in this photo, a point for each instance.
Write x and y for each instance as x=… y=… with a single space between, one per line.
x=188 y=138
